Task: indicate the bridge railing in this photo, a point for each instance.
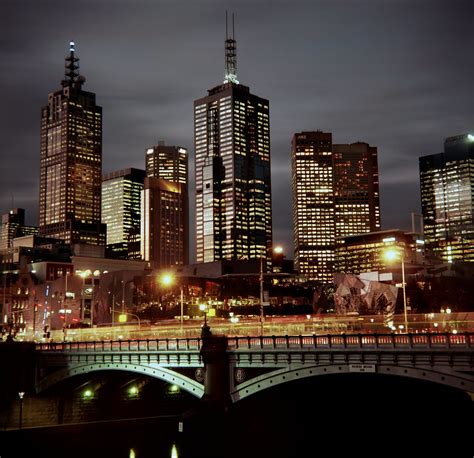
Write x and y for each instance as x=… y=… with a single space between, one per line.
x=355 y=341
x=123 y=345
x=344 y=341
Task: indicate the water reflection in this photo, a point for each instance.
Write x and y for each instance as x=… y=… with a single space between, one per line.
x=174 y=451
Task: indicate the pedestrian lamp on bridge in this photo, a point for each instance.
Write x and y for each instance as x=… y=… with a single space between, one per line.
x=276 y=250
x=391 y=255
x=167 y=279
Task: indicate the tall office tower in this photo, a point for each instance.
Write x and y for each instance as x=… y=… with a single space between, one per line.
x=335 y=194
x=447 y=200
x=314 y=230
x=164 y=227
x=121 y=212
x=13 y=225
x=71 y=162
x=167 y=162
x=356 y=189
x=232 y=163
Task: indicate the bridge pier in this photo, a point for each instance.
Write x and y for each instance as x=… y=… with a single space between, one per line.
x=203 y=430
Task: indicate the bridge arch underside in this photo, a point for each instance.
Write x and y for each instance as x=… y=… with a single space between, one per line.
x=161 y=373
x=451 y=378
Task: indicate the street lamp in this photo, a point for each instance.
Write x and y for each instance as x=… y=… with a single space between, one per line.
x=20 y=395
x=276 y=250
x=167 y=279
x=391 y=255
x=124 y=283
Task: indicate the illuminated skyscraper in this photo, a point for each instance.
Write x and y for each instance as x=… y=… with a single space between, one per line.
x=167 y=162
x=121 y=210
x=447 y=200
x=356 y=189
x=164 y=227
x=335 y=194
x=314 y=229
x=71 y=162
x=232 y=162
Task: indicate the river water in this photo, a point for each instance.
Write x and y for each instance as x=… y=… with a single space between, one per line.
x=351 y=415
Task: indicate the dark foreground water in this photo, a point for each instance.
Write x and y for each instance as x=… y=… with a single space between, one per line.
x=347 y=415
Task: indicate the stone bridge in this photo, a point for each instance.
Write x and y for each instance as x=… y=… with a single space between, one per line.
x=232 y=368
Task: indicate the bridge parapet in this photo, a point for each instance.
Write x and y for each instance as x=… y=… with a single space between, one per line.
x=343 y=341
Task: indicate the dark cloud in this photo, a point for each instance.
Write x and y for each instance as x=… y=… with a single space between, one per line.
x=395 y=73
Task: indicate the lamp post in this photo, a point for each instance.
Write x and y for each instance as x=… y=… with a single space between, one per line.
x=124 y=283
x=167 y=279
x=20 y=395
x=394 y=255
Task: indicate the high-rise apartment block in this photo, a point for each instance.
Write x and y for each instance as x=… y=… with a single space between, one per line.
x=335 y=194
x=121 y=210
x=447 y=200
x=71 y=162
x=232 y=163
x=164 y=227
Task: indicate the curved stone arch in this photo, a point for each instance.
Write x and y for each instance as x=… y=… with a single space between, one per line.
x=158 y=372
x=447 y=377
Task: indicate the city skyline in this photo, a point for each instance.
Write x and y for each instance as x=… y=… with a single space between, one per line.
x=357 y=96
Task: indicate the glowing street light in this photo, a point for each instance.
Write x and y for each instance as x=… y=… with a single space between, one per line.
x=167 y=279
x=392 y=255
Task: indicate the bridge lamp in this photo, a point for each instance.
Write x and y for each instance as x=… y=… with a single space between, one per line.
x=87 y=394
x=174 y=389
x=391 y=255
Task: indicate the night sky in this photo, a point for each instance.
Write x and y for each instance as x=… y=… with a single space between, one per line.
x=395 y=74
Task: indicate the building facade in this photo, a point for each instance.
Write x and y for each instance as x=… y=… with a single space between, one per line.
x=164 y=227
x=356 y=189
x=447 y=200
x=335 y=194
x=121 y=212
x=13 y=226
x=365 y=252
x=71 y=162
x=232 y=164
x=167 y=162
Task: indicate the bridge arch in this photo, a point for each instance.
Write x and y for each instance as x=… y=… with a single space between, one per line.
x=255 y=385
x=162 y=373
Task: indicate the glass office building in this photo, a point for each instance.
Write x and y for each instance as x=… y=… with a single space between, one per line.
x=232 y=163
x=447 y=200
x=121 y=212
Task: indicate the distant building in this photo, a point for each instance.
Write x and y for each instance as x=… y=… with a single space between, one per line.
x=335 y=194
x=167 y=162
x=447 y=200
x=364 y=252
x=13 y=226
x=232 y=163
x=356 y=189
x=71 y=162
x=164 y=226
x=121 y=212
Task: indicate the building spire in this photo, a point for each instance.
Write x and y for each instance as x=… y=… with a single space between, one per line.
x=71 y=69
x=230 y=53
